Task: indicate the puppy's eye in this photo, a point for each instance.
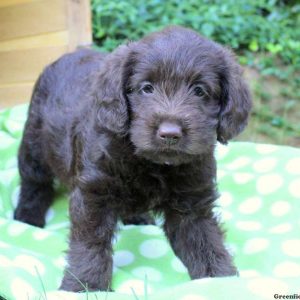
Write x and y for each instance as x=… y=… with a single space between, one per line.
x=198 y=91
x=129 y=90
x=147 y=89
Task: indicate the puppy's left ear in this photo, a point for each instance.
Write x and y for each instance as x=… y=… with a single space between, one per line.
x=235 y=100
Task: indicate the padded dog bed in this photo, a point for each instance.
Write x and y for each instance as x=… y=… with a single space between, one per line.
x=259 y=208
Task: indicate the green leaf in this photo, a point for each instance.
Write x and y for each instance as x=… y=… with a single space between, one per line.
x=253 y=46
x=274 y=48
x=207 y=29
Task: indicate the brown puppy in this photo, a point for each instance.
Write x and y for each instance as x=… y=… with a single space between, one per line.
x=129 y=132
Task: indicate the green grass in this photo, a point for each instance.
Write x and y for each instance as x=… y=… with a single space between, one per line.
x=85 y=291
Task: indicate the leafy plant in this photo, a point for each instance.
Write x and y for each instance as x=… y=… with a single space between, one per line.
x=256 y=25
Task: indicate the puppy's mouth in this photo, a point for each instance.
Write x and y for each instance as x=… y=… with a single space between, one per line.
x=166 y=157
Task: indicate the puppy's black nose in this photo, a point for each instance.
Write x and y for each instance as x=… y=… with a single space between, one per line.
x=169 y=133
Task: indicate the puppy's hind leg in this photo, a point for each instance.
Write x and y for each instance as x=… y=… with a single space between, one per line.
x=36 y=193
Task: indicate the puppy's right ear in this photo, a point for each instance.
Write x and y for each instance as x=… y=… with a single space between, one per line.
x=111 y=101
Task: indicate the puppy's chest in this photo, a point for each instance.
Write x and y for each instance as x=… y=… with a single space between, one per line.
x=143 y=188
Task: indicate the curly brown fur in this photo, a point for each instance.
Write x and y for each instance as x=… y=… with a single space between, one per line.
x=130 y=132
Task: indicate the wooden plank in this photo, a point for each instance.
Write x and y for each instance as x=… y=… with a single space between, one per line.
x=14 y=94
x=25 y=65
x=4 y=3
x=79 y=23
x=45 y=40
x=32 y=18
x=34 y=33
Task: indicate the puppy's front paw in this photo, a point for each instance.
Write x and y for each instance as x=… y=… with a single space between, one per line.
x=214 y=269
x=223 y=271
x=71 y=283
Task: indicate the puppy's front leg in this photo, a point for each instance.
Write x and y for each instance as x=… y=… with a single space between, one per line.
x=198 y=242
x=90 y=253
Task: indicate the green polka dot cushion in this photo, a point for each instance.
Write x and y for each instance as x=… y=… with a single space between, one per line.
x=259 y=207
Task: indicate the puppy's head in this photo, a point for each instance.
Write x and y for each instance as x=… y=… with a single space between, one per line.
x=183 y=93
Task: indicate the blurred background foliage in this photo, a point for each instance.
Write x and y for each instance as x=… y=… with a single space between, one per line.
x=264 y=33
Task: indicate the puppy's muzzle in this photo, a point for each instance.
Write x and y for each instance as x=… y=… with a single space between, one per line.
x=169 y=133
